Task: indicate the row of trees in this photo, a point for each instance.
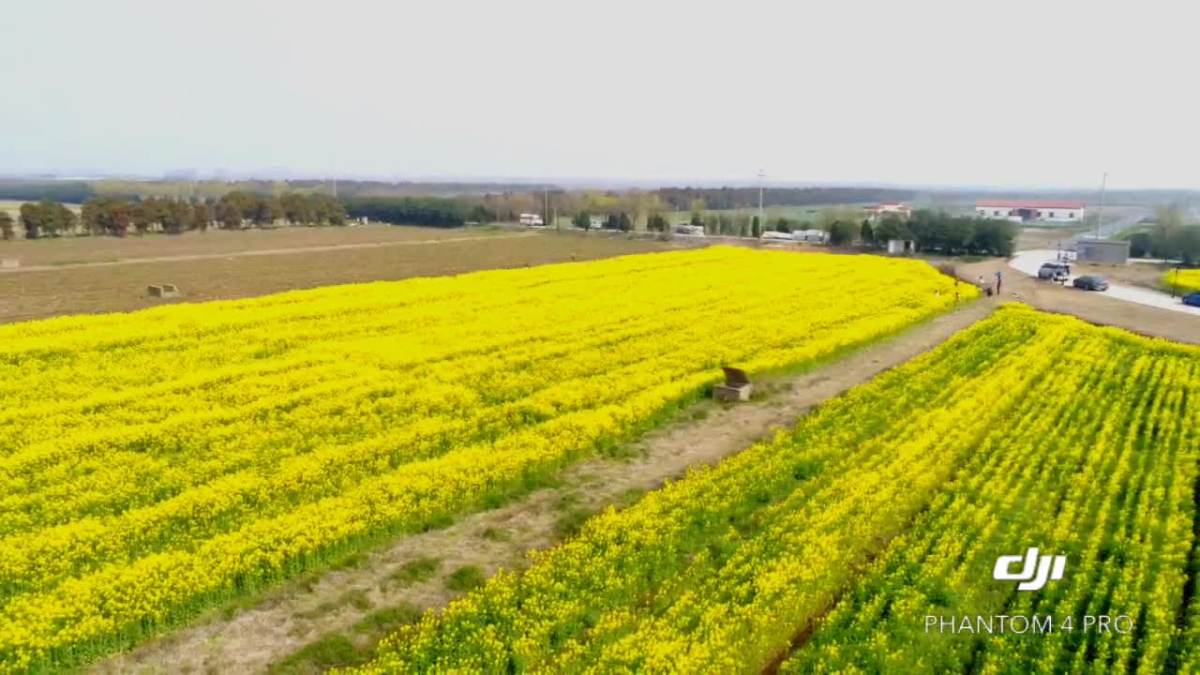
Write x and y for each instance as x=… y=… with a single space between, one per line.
x=46 y=216
x=429 y=211
x=118 y=216
x=1169 y=238
x=937 y=232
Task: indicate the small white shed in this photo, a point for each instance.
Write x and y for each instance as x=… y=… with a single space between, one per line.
x=901 y=246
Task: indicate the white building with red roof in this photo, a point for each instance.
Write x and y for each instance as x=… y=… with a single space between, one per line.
x=1024 y=210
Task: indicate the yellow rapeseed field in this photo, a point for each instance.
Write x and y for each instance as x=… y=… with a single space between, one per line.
x=827 y=548
x=1182 y=281
x=157 y=463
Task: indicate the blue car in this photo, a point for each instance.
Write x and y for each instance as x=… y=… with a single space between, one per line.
x=1192 y=299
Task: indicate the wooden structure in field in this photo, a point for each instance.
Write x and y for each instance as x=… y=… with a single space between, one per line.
x=737 y=386
x=163 y=291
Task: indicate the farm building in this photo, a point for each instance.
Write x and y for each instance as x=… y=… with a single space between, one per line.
x=898 y=208
x=818 y=236
x=1110 y=251
x=1030 y=209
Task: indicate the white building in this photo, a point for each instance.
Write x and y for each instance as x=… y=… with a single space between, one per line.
x=818 y=236
x=531 y=219
x=1025 y=210
x=898 y=208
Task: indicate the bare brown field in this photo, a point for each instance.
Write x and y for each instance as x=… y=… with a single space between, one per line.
x=77 y=250
x=320 y=259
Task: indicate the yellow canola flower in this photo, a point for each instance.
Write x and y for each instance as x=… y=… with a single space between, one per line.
x=888 y=503
x=155 y=463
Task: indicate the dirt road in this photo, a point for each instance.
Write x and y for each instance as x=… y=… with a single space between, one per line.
x=297 y=614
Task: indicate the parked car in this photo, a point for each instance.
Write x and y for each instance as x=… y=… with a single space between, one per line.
x=1192 y=299
x=1054 y=271
x=1089 y=283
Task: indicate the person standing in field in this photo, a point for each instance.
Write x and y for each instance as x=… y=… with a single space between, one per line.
x=999 y=278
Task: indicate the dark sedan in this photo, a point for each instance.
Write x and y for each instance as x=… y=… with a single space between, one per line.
x=1089 y=283
x=1192 y=299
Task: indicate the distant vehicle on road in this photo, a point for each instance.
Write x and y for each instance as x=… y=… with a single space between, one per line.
x=690 y=230
x=531 y=219
x=1192 y=299
x=1089 y=283
x=1054 y=271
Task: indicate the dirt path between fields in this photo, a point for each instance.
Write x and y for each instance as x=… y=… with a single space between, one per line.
x=298 y=614
x=262 y=251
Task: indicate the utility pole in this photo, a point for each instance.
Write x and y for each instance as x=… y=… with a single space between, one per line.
x=762 y=221
x=1100 y=212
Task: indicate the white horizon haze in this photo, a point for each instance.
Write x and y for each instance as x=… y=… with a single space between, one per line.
x=1007 y=95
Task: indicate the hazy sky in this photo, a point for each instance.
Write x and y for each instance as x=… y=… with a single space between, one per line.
x=972 y=93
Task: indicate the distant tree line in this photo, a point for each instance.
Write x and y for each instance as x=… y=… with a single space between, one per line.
x=66 y=191
x=681 y=199
x=429 y=211
x=117 y=216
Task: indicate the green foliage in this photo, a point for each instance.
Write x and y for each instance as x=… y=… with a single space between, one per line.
x=328 y=652
x=658 y=223
x=70 y=192
x=841 y=232
x=583 y=220
x=465 y=578
x=6 y=225
x=428 y=211
x=1172 y=239
x=571 y=522
x=387 y=620
x=784 y=225
x=940 y=232
x=866 y=233
x=47 y=218
x=495 y=534
x=686 y=198
x=415 y=571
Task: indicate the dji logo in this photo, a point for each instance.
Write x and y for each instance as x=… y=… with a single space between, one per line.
x=1034 y=573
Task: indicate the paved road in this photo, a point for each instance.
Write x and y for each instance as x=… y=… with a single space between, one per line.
x=1126 y=220
x=1028 y=262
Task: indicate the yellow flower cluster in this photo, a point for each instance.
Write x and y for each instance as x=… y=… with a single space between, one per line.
x=1183 y=281
x=152 y=464
x=1026 y=430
